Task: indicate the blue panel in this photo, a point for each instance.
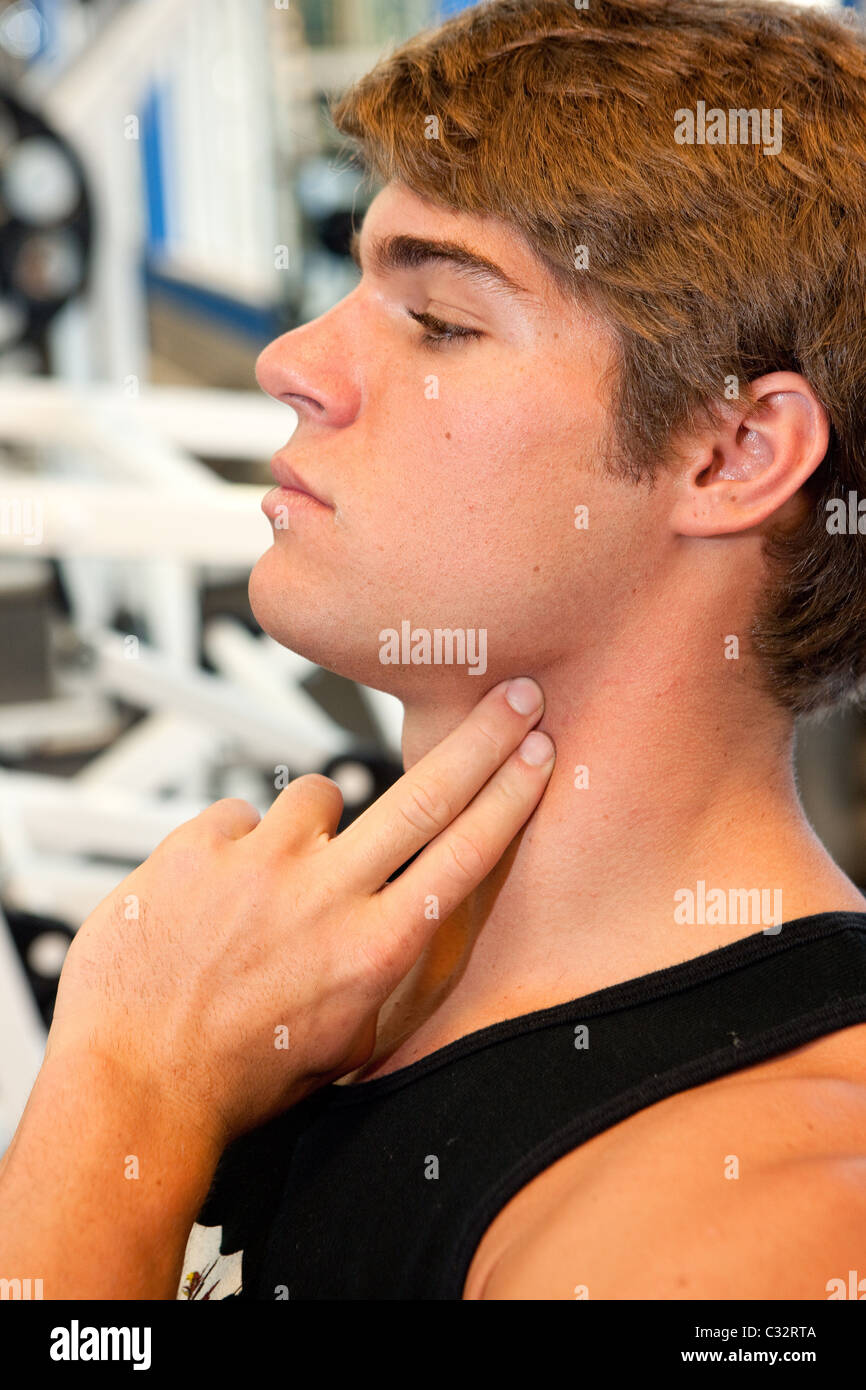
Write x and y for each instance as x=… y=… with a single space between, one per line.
x=152 y=133
x=259 y=323
x=447 y=7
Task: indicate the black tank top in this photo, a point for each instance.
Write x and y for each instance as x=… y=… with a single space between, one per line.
x=383 y=1189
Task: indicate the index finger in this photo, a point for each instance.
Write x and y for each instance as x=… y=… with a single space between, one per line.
x=427 y=798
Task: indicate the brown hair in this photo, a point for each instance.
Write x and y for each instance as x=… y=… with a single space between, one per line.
x=707 y=261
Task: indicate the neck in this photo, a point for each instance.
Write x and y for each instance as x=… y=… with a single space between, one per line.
x=687 y=781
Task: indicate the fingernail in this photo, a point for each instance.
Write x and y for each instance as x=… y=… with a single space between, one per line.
x=524 y=695
x=537 y=749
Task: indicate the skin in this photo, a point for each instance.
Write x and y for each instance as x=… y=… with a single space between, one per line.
x=250 y=972
x=458 y=511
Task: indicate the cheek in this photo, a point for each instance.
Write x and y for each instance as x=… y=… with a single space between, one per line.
x=483 y=477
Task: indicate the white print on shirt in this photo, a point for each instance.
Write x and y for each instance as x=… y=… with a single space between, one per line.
x=207 y=1273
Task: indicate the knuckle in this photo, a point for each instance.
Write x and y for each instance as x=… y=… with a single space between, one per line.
x=316 y=784
x=315 y=781
x=373 y=963
x=467 y=861
x=426 y=808
x=488 y=734
x=511 y=792
x=236 y=803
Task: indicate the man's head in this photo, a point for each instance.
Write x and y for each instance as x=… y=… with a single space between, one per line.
x=678 y=349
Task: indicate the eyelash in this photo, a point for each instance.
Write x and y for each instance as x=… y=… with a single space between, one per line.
x=442 y=334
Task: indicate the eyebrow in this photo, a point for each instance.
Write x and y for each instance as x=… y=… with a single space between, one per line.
x=412 y=253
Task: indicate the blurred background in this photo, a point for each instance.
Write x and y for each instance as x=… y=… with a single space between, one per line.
x=172 y=197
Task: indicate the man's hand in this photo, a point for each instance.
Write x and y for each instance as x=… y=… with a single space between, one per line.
x=244 y=963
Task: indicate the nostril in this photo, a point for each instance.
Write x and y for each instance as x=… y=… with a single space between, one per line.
x=299 y=402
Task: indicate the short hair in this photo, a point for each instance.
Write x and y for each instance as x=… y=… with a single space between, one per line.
x=711 y=263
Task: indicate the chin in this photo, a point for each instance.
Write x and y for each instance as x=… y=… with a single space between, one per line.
x=334 y=631
x=325 y=635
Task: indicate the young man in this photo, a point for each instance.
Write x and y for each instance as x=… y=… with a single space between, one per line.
x=599 y=380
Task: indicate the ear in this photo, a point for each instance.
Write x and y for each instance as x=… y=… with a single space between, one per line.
x=754 y=465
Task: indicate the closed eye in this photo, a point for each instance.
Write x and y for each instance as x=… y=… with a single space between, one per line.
x=440 y=334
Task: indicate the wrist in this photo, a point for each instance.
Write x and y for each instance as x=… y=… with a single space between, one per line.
x=102 y=1182
x=123 y=1097
x=133 y=1091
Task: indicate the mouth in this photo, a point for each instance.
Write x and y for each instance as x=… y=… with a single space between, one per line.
x=291 y=489
x=286 y=477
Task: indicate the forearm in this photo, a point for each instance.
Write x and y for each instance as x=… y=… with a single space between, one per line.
x=100 y=1186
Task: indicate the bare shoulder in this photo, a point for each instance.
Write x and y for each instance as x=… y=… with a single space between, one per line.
x=751 y=1186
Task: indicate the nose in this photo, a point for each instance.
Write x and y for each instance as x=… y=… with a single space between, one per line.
x=315 y=369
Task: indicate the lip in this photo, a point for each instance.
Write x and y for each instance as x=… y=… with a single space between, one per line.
x=290 y=481
x=276 y=503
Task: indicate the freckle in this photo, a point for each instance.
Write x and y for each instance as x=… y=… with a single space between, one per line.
x=535 y=569
x=447 y=434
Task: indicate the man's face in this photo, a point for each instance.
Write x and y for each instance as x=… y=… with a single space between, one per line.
x=452 y=469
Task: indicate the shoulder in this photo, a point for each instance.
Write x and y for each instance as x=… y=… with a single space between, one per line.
x=750 y=1187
